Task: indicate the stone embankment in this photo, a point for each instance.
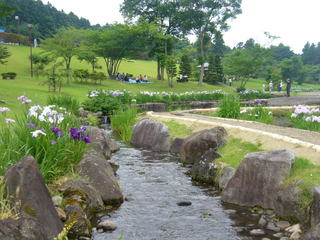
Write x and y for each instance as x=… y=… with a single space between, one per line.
x=258 y=181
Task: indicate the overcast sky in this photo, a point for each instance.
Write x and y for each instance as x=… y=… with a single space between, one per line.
x=294 y=21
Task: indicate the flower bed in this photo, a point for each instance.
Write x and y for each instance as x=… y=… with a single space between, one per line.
x=52 y=135
x=306 y=118
x=254 y=94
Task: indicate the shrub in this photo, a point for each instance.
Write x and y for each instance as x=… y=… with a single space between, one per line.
x=122 y=122
x=306 y=118
x=104 y=103
x=71 y=104
x=229 y=107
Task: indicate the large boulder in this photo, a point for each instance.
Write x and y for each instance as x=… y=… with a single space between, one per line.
x=198 y=143
x=176 y=145
x=80 y=192
x=258 y=178
x=315 y=210
x=24 y=228
x=81 y=226
x=25 y=185
x=101 y=176
x=203 y=170
x=151 y=134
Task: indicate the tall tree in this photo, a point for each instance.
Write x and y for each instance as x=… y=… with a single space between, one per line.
x=185 y=66
x=292 y=68
x=6 y=10
x=64 y=44
x=204 y=17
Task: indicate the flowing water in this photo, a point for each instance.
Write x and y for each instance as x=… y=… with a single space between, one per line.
x=157 y=182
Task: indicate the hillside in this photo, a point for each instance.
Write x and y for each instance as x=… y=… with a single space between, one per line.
x=45 y=18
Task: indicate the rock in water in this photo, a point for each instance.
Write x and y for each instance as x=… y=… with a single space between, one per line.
x=107 y=226
x=151 y=134
x=26 y=185
x=258 y=178
x=197 y=144
x=101 y=177
x=312 y=234
x=184 y=203
x=226 y=174
x=176 y=145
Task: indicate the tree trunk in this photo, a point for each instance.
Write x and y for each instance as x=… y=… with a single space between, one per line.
x=158 y=68
x=68 y=63
x=202 y=60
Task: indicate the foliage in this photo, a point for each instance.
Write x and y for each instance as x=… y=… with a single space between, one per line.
x=46 y=18
x=185 y=66
x=122 y=122
x=6 y=10
x=246 y=62
x=71 y=104
x=253 y=94
x=171 y=69
x=93 y=120
x=104 y=103
x=257 y=114
x=42 y=132
x=14 y=38
x=67 y=227
x=229 y=107
x=215 y=70
x=4 y=54
x=40 y=62
x=292 y=68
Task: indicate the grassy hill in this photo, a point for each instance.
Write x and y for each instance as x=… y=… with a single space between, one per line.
x=36 y=89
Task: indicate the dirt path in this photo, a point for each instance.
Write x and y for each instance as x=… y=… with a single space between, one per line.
x=312 y=98
x=304 y=143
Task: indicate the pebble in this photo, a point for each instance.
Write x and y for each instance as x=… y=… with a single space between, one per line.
x=184 y=203
x=262 y=222
x=128 y=198
x=284 y=238
x=273 y=227
x=295 y=236
x=257 y=232
x=57 y=200
x=106 y=226
x=283 y=224
x=266 y=239
x=278 y=235
x=230 y=211
x=294 y=228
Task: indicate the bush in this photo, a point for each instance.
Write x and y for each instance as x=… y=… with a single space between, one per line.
x=122 y=122
x=229 y=107
x=104 y=103
x=241 y=89
x=71 y=104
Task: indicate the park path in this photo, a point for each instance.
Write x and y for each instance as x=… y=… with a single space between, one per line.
x=304 y=143
x=310 y=98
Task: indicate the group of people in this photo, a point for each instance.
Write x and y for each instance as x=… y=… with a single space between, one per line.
x=280 y=85
x=129 y=78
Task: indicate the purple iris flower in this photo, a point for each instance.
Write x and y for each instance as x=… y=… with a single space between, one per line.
x=79 y=134
x=87 y=139
x=32 y=125
x=57 y=132
x=53 y=142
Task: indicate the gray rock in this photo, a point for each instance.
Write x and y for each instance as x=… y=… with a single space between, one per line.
x=315 y=210
x=258 y=178
x=176 y=145
x=283 y=224
x=114 y=146
x=57 y=200
x=257 y=232
x=25 y=184
x=81 y=226
x=272 y=227
x=184 y=203
x=225 y=176
x=101 y=177
x=198 y=143
x=100 y=142
x=107 y=226
x=25 y=228
x=80 y=192
x=262 y=221
x=284 y=238
x=203 y=169
x=312 y=234
x=129 y=198
x=151 y=134
x=278 y=235
x=296 y=236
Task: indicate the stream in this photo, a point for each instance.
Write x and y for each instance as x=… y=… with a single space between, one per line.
x=156 y=182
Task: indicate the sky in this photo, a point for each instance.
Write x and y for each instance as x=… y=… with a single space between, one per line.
x=294 y=21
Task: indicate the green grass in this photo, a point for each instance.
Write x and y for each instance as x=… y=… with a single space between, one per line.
x=178 y=130
x=122 y=122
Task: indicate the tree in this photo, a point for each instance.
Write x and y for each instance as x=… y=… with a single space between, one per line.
x=281 y=52
x=165 y=15
x=205 y=17
x=6 y=10
x=215 y=70
x=65 y=43
x=185 y=66
x=89 y=56
x=292 y=68
x=171 y=69
x=4 y=54
x=246 y=62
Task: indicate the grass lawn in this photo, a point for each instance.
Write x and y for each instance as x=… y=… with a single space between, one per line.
x=36 y=89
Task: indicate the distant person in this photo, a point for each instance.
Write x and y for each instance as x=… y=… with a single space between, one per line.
x=230 y=82
x=140 y=77
x=145 y=78
x=280 y=86
x=126 y=78
x=270 y=86
x=288 y=88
